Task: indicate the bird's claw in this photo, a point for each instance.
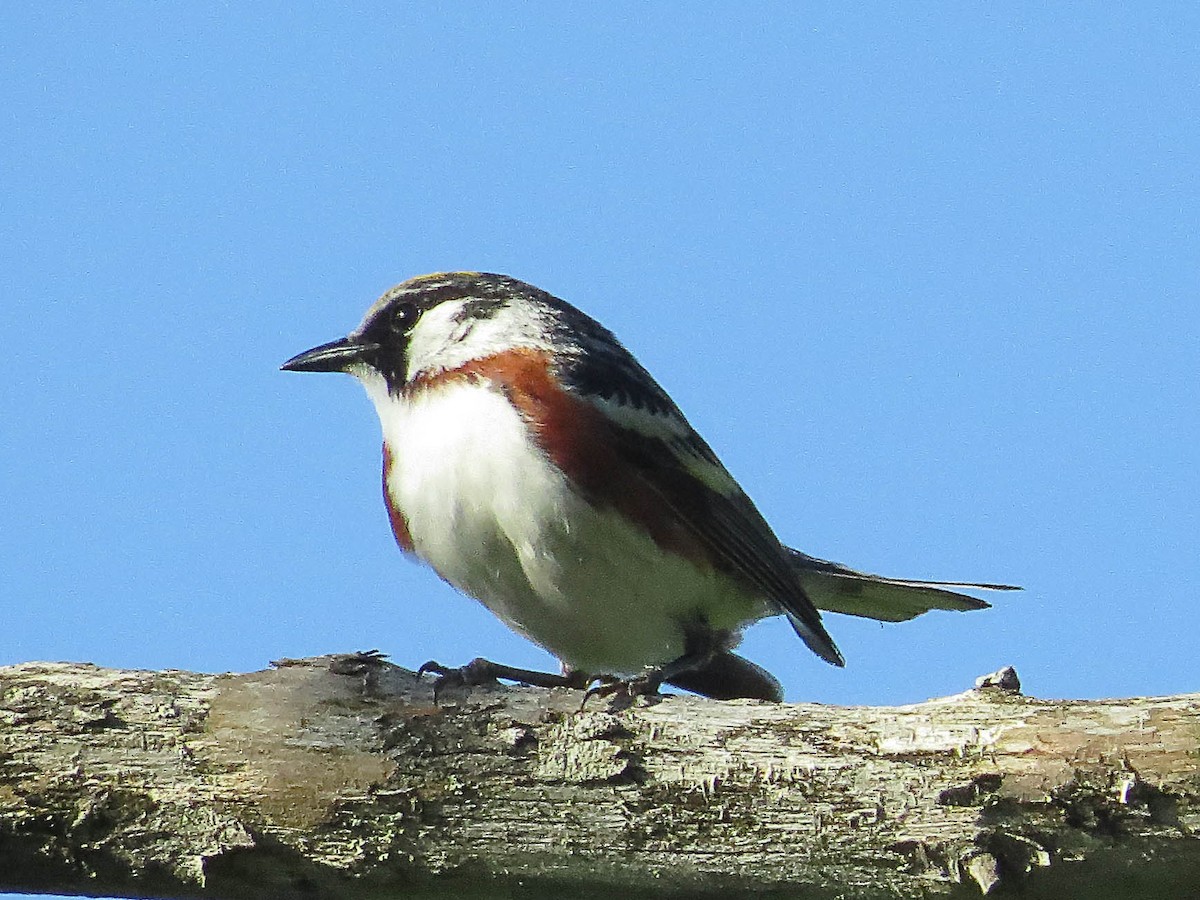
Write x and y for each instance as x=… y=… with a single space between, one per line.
x=625 y=691
x=478 y=671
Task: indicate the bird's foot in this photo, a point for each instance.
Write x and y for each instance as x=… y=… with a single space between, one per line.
x=625 y=691
x=480 y=671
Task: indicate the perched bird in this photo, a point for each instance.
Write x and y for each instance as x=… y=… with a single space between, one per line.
x=536 y=466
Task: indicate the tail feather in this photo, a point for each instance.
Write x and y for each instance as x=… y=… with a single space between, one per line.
x=836 y=588
x=727 y=676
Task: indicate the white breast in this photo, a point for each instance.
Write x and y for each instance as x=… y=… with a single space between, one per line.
x=501 y=523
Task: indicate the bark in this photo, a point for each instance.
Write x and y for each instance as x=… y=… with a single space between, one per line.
x=299 y=782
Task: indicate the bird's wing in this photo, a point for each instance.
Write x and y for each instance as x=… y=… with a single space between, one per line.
x=652 y=439
x=837 y=588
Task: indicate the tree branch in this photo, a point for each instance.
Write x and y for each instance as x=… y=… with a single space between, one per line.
x=299 y=782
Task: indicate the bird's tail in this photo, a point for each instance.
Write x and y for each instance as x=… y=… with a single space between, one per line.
x=727 y=676
x=837 y=588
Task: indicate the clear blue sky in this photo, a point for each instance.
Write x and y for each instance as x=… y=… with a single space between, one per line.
x=926 y=279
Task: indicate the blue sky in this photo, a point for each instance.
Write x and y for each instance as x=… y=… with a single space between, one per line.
x=925 y=278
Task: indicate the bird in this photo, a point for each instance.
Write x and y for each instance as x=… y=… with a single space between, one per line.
x=537 y=466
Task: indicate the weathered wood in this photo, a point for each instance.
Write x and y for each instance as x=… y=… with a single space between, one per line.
x=298 y=782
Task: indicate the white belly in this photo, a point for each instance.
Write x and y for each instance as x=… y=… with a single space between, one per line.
x=501 y=523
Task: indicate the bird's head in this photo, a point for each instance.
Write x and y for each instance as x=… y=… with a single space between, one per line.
x=436 y=323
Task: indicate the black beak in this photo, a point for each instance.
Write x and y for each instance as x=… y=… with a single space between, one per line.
x=336 y=356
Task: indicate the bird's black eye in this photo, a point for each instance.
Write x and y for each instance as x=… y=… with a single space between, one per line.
x=403 y=317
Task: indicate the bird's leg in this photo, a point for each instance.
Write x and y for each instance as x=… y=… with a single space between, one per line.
x=706 y=667
x=483 y=671
x=647 y=683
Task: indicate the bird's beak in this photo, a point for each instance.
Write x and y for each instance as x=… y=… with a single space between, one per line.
x=336 y=356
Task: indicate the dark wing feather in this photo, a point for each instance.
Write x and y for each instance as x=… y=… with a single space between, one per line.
x=653 y=437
